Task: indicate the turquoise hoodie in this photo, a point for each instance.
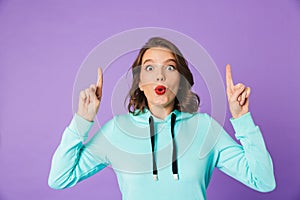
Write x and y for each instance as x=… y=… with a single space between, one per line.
x=158 y=159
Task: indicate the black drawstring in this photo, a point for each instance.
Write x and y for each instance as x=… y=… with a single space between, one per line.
x=152 y=134
x=174 y=154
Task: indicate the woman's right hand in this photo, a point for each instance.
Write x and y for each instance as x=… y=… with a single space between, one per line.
x=90 y=98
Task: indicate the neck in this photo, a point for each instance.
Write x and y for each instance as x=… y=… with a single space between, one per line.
x=160 y=111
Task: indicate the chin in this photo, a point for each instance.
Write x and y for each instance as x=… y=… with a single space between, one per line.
x=162 y=102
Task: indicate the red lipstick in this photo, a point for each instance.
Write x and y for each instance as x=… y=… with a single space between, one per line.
x=160 y=89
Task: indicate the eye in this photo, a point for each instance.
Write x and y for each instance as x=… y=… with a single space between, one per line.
x=170 y=68
x=149 y=68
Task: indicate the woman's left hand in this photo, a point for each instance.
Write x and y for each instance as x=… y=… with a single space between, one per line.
x=237 y=95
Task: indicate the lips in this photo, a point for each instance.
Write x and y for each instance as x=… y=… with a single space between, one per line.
x=160 y=89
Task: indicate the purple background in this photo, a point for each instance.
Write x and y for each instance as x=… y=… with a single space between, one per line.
x=43 y=43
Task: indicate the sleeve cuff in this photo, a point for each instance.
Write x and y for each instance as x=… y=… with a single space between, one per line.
x=244 y=123
x=80 y=126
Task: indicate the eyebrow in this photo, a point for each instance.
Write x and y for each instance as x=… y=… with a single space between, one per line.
x=166 y=61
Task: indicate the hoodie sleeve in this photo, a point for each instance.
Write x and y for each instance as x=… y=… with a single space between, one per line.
x=250 y=163
x=73 y=161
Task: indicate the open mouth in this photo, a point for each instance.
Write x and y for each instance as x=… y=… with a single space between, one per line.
x=160 y=90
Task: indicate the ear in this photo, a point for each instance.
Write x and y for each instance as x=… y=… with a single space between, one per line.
x=141 y=86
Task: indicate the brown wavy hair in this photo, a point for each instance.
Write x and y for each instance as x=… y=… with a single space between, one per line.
x=185 y=100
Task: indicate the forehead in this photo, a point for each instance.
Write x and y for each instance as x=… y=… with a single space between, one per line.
x=158 y=54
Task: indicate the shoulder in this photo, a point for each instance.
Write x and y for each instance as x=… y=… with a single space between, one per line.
x=210 y=133
x=124 y=125
x=117 y=119
x=200 y=117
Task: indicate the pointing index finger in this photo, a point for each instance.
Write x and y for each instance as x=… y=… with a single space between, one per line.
x=99 y=83
x=229 y=81
x=100 y=78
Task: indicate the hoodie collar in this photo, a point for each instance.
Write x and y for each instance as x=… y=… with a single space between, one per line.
x=144 y=115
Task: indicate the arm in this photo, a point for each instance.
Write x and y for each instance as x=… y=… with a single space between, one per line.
x=250 y=163
x=73 y=161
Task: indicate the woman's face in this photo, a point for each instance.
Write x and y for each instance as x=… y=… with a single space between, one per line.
x=159 y=77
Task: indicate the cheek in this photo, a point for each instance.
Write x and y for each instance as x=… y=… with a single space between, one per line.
x=148 y=90
x=146 y=78
x=149 y=94
x=174 y=83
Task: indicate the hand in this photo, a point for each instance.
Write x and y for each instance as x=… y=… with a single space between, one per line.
x=238 y=96
x=89 y=99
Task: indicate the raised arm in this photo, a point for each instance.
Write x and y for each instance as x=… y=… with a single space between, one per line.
x=73 y=161
x=250 y=162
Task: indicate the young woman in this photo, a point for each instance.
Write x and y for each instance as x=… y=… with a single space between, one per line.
x=155 y=148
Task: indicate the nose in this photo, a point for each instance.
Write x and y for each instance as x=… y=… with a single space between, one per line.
x=160 y=79
x=160 y=76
